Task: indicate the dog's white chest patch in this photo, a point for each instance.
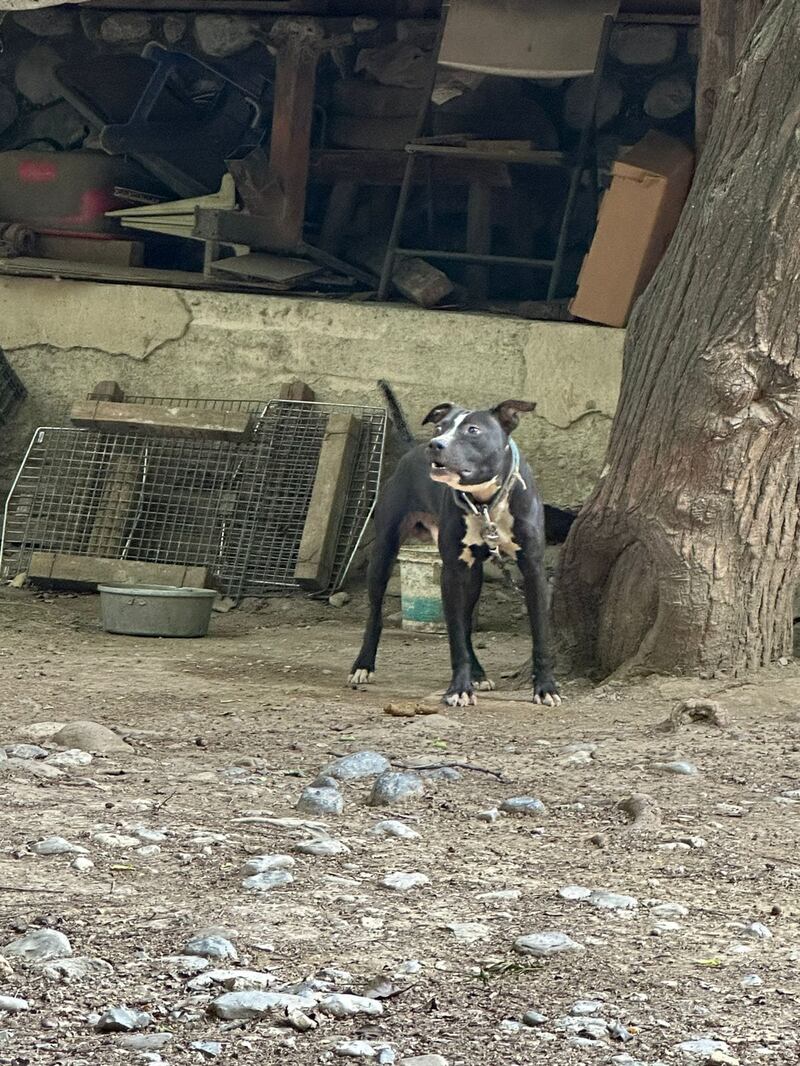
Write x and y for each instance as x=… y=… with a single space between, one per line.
x=503 y=520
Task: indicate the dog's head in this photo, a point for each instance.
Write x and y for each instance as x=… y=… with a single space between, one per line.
x=469 y=448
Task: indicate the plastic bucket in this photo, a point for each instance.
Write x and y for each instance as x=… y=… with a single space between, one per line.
x=155 y=610
x=420 y=593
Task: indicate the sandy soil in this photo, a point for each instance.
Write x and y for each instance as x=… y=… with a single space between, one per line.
x=234 y=726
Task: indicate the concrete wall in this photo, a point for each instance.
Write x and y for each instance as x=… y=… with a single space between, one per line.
x=63 y=336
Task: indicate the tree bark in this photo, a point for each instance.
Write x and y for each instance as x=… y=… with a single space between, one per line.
x=725 y=26
x=685 y=557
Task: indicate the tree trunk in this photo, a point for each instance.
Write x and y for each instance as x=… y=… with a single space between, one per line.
x=725 y=26
x=685 y=557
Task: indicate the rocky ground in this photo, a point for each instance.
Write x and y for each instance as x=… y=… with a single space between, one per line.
x=614 y=881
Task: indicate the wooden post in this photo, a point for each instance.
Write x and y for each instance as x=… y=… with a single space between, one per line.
x=725 y=25
x=479 y=238
x=317 y=551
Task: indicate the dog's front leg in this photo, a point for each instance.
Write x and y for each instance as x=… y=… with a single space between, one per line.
x=531 y=563
x=460 y=590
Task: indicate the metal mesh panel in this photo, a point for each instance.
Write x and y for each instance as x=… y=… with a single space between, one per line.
x=12 y=391
x=236 y=507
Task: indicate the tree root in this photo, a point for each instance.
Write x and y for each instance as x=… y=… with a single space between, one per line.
x=693 y=710
x=643 y=812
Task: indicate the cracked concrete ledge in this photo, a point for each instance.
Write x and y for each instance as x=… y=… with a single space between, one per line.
x=62 y=336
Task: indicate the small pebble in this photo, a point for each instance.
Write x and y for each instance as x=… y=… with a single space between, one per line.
x=211 y=947
x=533 y=1019
x=122 y=1020
x=544 y=945
x=354 y=767
x=394 y=787
x=12 y=1005
x=320 y=801
x=405 y=882
x=261 y=864
x=491 y=815
x=392 y=828
x=325 y=848
x=686 y=769
x=57 y=846
x=356 y=1049
x=339 y=1005
x=528 y=805
x=39 y=945
x=267 y=881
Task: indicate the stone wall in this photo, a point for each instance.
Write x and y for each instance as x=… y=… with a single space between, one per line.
x=63 y=336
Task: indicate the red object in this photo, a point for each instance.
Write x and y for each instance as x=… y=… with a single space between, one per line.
x=37 y=171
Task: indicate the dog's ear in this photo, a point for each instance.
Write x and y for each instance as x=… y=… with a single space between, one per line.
x=436 y=414
x=507 y=413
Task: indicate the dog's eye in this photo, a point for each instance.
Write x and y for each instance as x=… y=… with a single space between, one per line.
x=473 y=430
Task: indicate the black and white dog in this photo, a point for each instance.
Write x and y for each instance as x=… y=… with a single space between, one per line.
x=474 y=494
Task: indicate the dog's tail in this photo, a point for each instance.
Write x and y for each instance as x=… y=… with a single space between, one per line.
x=398 y=418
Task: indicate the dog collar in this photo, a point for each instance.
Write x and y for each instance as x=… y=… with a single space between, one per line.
x=466 y=502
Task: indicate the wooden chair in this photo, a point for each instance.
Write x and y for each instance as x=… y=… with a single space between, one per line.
x=542 y=39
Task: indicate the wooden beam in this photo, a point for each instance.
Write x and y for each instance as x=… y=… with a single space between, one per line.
x=386 y=167
x=148 y=418
x=725 y=26
x=296 y=390
x=62 y=567
x=318 y=545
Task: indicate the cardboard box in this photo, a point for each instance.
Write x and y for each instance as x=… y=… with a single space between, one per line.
x=637 y=219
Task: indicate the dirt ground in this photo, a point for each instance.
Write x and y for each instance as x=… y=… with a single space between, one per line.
x=226 y=733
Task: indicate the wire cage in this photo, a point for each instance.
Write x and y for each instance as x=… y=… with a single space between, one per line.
x=235 y=507
x=12 y=391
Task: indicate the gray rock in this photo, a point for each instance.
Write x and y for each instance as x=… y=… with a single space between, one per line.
x=469 y=932
x=392 y=828
x=533 y=1018
x=574 y=893
x=11 y=1005
x=339 y=599
x=617 y=1031
x=751 y=980
x=588 y=1028
x=115 y=840
x=261 y=864
x=339 y=1005
x=130 y=27
x=386 y=1056
x=241 y=1006
x=322 y=849
x=212 y=1049
x=685 y=769
x=586 y=1008
x=232 y=980
x=90 y=736
x=356 y=1049
x=211 y=947
x=669 y=97
x=150 y=836
x=405 y=882
x=32 y=767
x=38 y=946
x=702 y=1048
x=425 y=1060
x=395 y=787
x=47 y=22
x=173 y=27
x=34 y=75
x=25 y=751
x=82 y=864
x=8 y=109
x=59 y=122
x=57 y=846
x=320 y=801
x=357 y=766
x=446 y=774
x=77 y=969
x=300 y=1021
x=223 y=35
x=612 y=901
x=646 y=45
x=145 y=1041
x=267 y=881
x=545 y=945
x=186 y=965
x=528 y=805
x=122 y=1020
x=148 y=851
x=755 y=931
x=510 y=1026
x=491 y=815
x=670 y=910
x=72 y=757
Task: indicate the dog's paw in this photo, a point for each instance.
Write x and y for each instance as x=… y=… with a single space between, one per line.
x=485 y=685
x=459 y=699
x=360 y=677
x=546 y=694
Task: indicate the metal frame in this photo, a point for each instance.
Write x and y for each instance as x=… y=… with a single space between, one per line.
x=236 y=507
x=581 y=161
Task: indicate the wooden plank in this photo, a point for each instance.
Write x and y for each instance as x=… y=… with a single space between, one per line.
x=297 y=390
x=479 y=239
x=115 y=507
x=209 y=424
x=338 y=214
x=332 y=165
x=277 y=269
x=318 y=545
x=417 y=280
x=95 y=570
x=88 y=250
